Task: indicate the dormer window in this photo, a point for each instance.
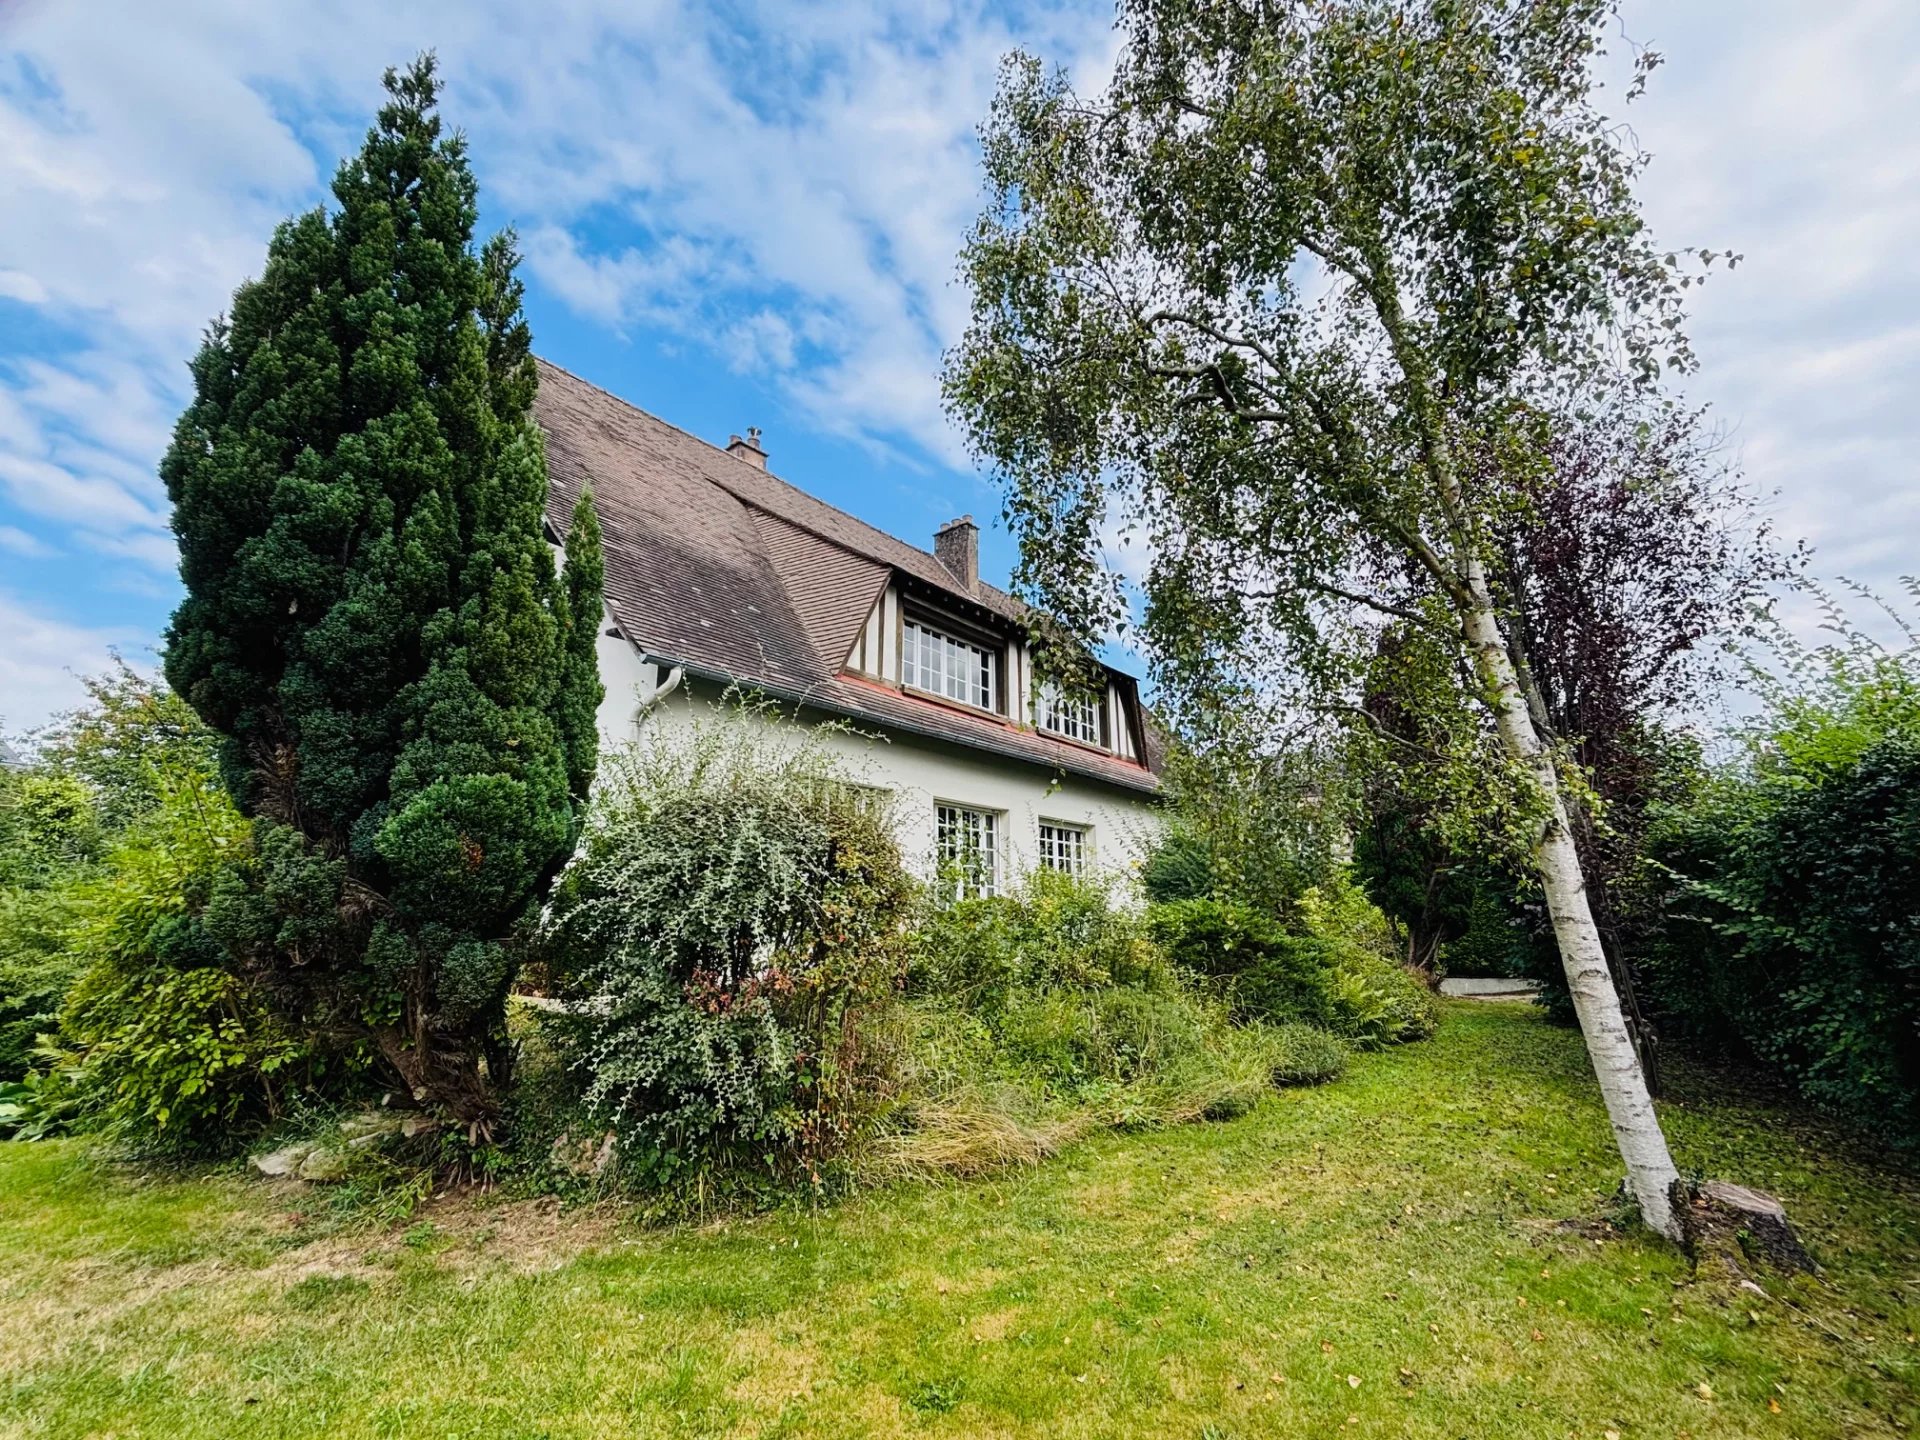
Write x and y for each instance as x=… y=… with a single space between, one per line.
x=1075 y=716
x=945 y=665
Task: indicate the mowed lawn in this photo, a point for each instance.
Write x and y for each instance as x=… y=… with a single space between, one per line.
x=1416 y=1251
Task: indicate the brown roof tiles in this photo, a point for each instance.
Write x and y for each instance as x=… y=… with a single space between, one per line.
x=717 y=564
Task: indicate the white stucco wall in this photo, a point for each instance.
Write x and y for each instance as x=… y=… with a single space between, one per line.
x=1122 y=825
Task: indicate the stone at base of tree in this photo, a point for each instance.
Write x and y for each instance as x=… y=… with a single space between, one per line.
x=1735 y=1223
x=584 y=1157
x=278 y=1164
x=323 y=1166
x=372 y=1127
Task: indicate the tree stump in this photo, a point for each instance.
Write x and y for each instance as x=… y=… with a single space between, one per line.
x=1735 y=1223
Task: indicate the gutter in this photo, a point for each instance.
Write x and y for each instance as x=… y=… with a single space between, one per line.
x=809 y=700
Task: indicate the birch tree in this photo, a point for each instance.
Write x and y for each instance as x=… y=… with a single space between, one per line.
x=1254 y=305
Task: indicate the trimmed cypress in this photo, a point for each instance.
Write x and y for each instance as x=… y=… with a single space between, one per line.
x=403 y=684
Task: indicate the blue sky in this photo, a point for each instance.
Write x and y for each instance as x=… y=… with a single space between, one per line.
x=747 y=213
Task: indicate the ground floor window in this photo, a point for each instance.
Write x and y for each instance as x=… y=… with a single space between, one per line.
x=968 y=850
x=1063 y=847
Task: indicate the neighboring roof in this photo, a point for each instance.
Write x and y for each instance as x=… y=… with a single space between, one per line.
x=10 y=758
x=719 y=565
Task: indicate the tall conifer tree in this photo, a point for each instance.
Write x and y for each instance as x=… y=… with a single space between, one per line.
x=404 y=686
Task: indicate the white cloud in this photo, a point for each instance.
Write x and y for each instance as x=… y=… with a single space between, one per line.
x=80 y=497
x=783 y=189
x=42 y=659
x=18 y=542
x=1785 y=131
x=18 y=285
x=157 y=553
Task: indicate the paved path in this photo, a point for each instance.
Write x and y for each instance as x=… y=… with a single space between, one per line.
x=1489 y=989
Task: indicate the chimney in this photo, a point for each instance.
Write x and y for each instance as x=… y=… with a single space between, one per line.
x=956 y=545
x=748 y=449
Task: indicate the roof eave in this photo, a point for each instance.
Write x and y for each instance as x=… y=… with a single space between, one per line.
x=1147 y=785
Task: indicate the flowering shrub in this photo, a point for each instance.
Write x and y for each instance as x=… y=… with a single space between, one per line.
x=735 y=906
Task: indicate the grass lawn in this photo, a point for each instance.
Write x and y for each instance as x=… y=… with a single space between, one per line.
x=1389 y=1256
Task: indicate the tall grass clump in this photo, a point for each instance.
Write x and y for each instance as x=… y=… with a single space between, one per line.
x=1035 y=1018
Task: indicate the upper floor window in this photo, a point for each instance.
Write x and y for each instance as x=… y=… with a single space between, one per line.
x=945 y=665
x=1075 y=716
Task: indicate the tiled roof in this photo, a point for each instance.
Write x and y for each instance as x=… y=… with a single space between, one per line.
x=717 y=564
x=831 y=590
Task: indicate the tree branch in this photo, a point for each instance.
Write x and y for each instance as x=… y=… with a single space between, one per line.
x=1399 y=612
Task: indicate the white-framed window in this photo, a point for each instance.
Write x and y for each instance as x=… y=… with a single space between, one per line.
x=968 y=850
x=945 y=665
x=1075 y=716
x=1063 y=847
x=857 y=795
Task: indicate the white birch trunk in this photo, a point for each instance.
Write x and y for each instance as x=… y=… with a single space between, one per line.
x=1650 y=1171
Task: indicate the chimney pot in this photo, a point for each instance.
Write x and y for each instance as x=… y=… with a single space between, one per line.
x=748 y=449
x=956 y=545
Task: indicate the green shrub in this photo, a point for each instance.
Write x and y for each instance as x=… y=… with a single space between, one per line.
x=50 y=843
x=1797 y=929
x=1043 y=1015
x=1335 y=973
x=1791 y=914
x=1493 y=941
x=177 y=1059
x=1292 y=983
x=1180 y=868
x=1052 y=929
x=1305 y=1055
x=97 y=769
x=167 y=1047
x=128 y=744
x=734 y=909
x=1212 y=937
x=1267 y=973
x=38 y=965
x=49 y=826
x=1377 y=1002
x=40 y=1103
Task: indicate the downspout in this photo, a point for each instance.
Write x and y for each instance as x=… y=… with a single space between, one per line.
x=675 y=674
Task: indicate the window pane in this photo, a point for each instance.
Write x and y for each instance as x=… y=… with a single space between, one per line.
x=1075 y=716
x=967 y=845
x=1063 y=848
x=942 y=665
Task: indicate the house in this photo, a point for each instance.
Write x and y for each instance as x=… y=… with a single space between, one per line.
x=718 y=574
